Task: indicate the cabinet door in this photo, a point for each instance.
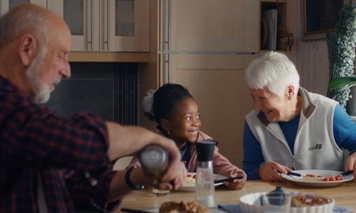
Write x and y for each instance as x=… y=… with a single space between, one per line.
x=127 y=23
x=106 y=25
x=5 y=5
x=211 y=25
x=82 y=17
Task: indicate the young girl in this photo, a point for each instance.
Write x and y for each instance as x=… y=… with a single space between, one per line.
x=177 y=116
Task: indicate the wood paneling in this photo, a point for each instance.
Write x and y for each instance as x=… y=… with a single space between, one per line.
x=310 y=57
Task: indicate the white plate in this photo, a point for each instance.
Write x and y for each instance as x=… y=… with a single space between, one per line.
x=236 y=208
x=157 y=210
x=191 y=187
x=317 y=183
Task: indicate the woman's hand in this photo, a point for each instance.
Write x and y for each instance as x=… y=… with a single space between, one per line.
x=271 y=171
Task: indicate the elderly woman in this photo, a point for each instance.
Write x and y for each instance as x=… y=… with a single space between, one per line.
x=291 y=128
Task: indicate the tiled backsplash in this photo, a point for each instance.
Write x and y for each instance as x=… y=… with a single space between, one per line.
x=109 y=90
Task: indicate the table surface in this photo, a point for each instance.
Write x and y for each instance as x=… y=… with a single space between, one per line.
x=344 y=194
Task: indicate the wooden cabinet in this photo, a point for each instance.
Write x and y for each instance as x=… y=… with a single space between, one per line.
x=100 y=25
x=106 y=25
x=102 y=30
x=210 y=25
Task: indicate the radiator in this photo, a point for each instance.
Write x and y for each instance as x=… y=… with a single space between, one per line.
x=108 y=90
x=126 y=99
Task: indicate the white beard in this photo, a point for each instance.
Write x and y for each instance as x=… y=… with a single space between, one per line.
x=41 y=91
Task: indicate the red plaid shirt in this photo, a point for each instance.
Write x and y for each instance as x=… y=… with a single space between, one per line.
x=70 y=155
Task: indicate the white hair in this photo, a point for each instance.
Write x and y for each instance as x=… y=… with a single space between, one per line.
x=273 y=71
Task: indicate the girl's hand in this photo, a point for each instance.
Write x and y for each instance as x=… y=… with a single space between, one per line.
x=237 y=184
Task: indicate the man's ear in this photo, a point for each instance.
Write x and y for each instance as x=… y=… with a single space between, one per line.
x=27 y=49
x=166 y=125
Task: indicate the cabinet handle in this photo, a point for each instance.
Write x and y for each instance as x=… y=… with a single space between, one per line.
x=107 y=25
x=169 y=18
x=91 y=24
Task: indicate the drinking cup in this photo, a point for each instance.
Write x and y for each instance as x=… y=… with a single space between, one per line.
x=160 y=192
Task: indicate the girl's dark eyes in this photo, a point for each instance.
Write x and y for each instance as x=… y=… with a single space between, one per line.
x=190 y=117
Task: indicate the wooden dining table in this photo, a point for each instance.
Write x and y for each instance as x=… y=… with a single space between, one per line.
x=344 y=194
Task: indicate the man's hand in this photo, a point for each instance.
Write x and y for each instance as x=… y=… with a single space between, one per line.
x=173 y=177
x=270 y=171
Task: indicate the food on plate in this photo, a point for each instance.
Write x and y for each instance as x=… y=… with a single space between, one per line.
x=187 y=207
x=305 y=200
x=333 y=178
x=190 y=180
x=192 y=175
x=312 y=177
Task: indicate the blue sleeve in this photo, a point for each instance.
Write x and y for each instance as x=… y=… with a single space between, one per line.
x=344 y=129
x=253 y=157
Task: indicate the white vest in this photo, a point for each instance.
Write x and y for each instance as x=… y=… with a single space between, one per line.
x=315 y=146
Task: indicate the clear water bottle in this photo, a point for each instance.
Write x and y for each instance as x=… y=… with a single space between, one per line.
x=154 y=158
x=205 y=190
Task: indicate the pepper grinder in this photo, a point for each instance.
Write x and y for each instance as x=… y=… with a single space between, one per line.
x=154 y=158
x=205 y=190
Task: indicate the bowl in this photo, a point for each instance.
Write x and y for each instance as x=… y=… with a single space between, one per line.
x=250 y=203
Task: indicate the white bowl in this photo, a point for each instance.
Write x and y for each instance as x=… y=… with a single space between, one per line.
x=250 y=203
